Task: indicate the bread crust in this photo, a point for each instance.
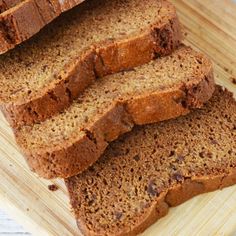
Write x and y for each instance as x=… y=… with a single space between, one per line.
x=26 y=18
x=174 y=196
x=7 y=4
x=99 y=60
x=78 y=153
x=173 y=183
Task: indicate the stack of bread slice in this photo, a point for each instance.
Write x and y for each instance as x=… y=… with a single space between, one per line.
x=114 y=70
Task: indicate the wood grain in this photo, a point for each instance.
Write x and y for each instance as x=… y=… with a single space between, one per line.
x=9 y=227
x=211 y=28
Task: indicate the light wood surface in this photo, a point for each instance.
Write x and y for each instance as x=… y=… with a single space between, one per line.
x=9 y=227
x=210 y=27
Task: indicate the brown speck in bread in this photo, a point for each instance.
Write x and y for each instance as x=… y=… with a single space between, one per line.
x=137 y=157
x=213 y=141
x=118 y=215
x=44 y=68
x=53 y=187
x=145 y=194
x=180 y=158
x=68 y=143
x=178 y=177
x=152 y=189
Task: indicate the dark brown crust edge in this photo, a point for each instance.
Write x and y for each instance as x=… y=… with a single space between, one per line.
x=78 y=154
x=25 y=19
x=6 y=4
x=102 y=59
x=172 y=197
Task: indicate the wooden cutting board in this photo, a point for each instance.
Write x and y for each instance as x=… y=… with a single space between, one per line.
x=210 y=26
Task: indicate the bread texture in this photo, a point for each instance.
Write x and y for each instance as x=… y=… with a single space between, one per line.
x=155 y=167
x=20 y=20
x=70 y=142
x=42 y=77
x=7 y=4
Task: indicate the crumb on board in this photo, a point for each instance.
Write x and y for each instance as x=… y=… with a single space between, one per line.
x=233 y=79
x=228 y=70
x=53 y=187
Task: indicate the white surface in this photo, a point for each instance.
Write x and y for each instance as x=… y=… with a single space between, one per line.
x=9 y=227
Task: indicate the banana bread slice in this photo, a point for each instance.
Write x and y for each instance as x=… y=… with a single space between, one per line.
x=70 y=142
x=20 y=20
x=155 y=167
x=42 y=76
